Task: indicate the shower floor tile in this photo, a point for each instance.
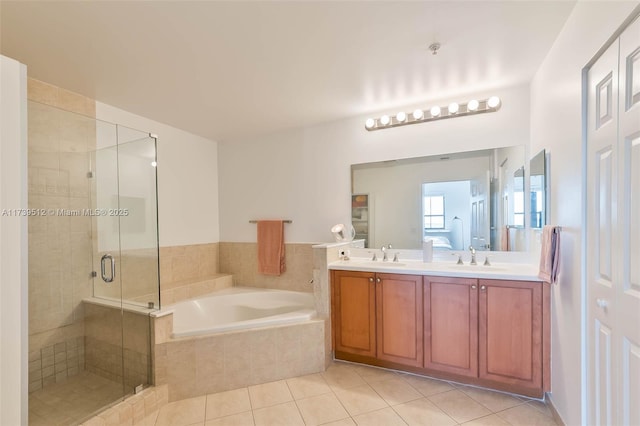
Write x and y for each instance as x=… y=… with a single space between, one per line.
x=71 y=401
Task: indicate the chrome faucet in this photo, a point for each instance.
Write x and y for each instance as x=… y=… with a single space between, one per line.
x=473 y=256
x=384 y=252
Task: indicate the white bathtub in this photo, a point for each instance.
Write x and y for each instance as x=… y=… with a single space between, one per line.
x=239 y=308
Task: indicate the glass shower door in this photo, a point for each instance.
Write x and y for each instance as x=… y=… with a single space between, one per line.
x=126 y=251
x=139 y=267
x=104 y=325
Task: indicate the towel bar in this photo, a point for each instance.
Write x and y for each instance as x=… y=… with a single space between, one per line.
x=285 y=221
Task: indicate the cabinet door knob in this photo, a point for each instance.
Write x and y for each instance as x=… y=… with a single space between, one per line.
x=483 y=287
x=370 y=280
x=378 y=280
x=474 y=287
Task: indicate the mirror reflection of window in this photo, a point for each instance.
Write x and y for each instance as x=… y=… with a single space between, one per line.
x=434 y=212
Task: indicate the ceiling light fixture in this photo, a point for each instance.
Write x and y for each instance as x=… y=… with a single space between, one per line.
x=370 y=123
x=454 y=109
x=493 y=102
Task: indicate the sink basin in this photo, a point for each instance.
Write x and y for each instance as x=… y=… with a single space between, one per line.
x=380 y=264
x=475 y=268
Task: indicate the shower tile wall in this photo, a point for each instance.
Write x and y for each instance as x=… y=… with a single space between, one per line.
x=104 y=345
x=59 y=246
x=241 y=260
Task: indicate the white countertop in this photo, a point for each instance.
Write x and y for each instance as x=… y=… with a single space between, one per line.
x=498 y=271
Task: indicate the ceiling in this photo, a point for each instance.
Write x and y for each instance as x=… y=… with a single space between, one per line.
x=228 y=70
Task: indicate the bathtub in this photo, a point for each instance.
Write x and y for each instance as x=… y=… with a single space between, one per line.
x=238 y=308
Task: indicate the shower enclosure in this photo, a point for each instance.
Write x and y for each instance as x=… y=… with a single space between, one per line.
x=93 y=263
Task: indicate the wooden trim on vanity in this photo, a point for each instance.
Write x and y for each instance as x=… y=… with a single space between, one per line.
x=546 y=337
x=332 y=313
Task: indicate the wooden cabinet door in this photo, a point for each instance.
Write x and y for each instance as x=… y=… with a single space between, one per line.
x=510 y=314
x=451 y=325
x=354 y=312
x=399 y=318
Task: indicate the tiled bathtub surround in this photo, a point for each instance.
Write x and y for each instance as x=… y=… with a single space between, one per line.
x=241 y=260
x=190 y=271
x=205 y=364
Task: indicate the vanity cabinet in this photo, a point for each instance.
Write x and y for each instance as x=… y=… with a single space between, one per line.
x=378 y=315
x=399 y=318
x=494 y=333
x=354 y=312
x=451 y=325
x=511 y=332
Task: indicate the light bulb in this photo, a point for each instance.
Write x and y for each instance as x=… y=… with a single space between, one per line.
x=384 y=120
x=493 y=102
x=453 y=108
x=401 y=117
x=473 y=105
x=418 y=114
x=435 y=111
x=154 y=164
x=369 y=123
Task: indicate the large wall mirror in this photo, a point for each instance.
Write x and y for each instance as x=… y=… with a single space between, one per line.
x=457 y=200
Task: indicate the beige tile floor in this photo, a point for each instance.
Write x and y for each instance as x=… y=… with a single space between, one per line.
x=69 y=402
x=347 y=395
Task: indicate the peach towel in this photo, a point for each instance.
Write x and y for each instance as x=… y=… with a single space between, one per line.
x=271 y=247
x=550 y=254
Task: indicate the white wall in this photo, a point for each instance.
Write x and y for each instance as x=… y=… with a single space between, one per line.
x=187 y=180
x=304 y=174
x=13 y=244
x=556 y=126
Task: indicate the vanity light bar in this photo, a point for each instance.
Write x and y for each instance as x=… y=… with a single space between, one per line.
x=454 y=109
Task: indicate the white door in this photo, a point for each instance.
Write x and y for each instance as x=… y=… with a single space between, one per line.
x=613 y=233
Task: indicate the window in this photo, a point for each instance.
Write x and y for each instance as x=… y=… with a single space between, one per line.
x=434 y=212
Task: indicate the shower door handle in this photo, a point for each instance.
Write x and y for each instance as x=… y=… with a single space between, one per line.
x=103 y=268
